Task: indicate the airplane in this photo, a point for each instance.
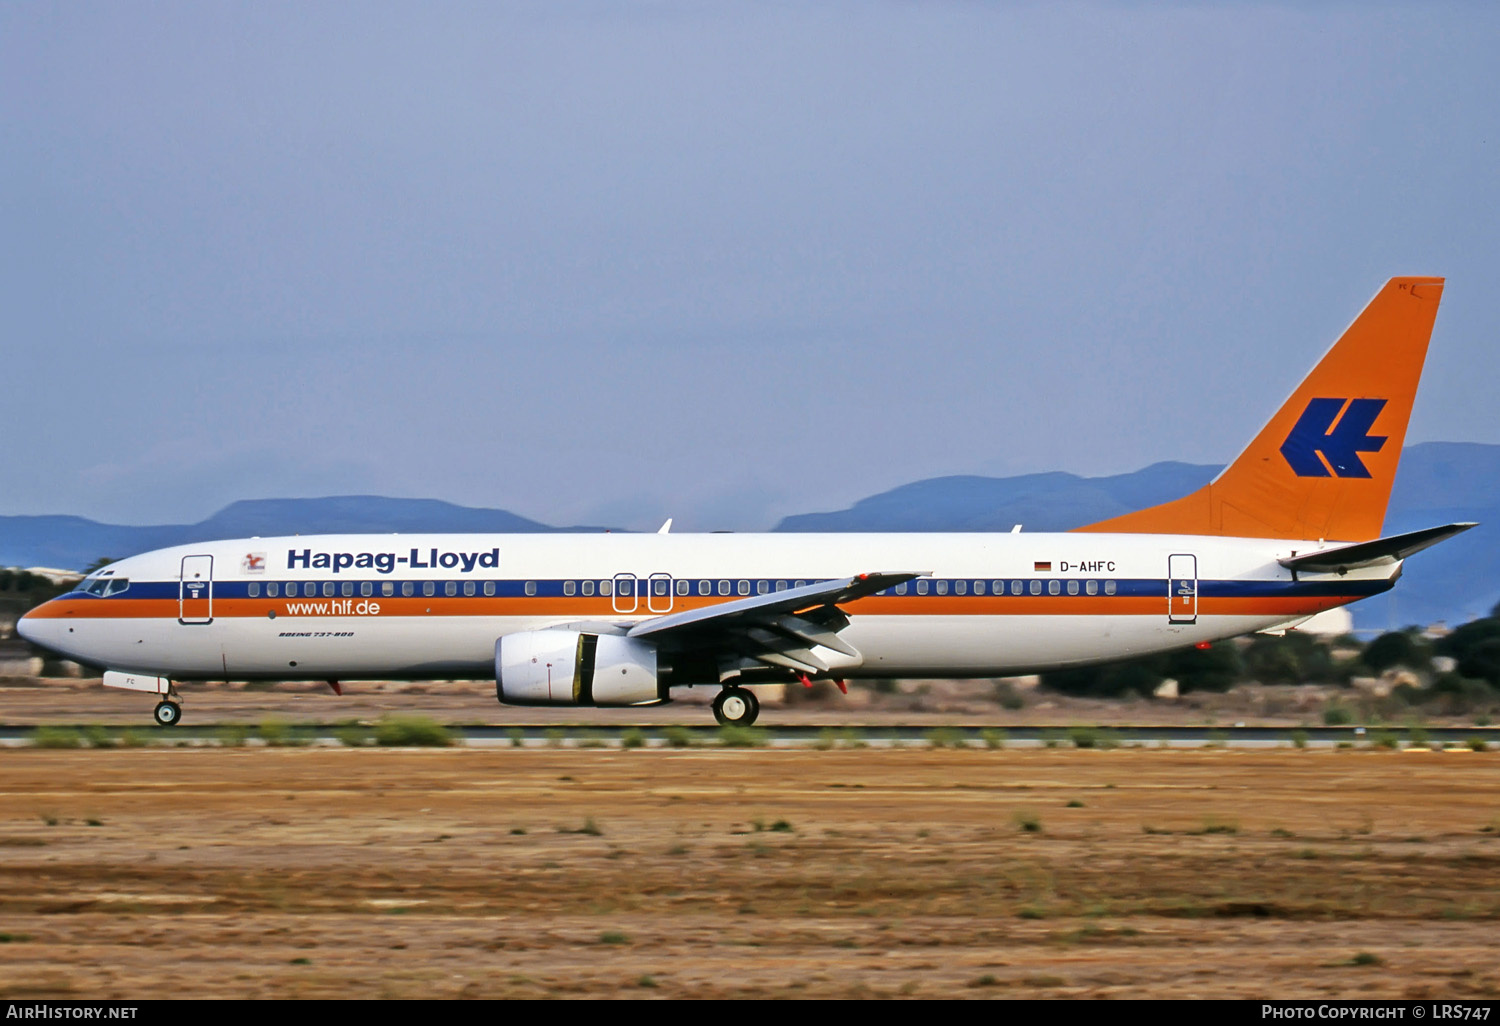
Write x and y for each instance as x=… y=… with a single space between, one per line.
x=1290 y=528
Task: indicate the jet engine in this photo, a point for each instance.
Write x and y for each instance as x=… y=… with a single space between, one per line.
x=564 y=667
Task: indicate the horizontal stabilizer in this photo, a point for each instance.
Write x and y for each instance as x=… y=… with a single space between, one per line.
x=1372 y=553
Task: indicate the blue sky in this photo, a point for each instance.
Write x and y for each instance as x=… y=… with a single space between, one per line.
x=611 y=262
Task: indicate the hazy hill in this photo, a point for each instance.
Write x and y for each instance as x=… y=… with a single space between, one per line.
x=73 y=542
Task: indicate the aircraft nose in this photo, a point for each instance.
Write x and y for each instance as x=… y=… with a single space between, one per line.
x=35 y=626
x=26 y=627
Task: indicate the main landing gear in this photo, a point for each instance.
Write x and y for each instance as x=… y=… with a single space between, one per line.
x=736 y=707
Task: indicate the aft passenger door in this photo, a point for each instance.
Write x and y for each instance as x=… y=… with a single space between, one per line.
x=1182 y=589
x=195 y=592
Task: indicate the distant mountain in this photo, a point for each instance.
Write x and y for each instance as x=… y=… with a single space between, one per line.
x=73 y=542
x=1439 y=483
x=1039 y=502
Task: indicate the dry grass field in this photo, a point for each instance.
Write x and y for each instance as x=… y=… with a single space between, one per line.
x=316 y=872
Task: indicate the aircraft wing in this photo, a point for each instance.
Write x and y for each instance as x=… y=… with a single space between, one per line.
x=1372 y=553
x=782 y=628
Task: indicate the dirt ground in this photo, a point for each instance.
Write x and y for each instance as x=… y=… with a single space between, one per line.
x=488 y=873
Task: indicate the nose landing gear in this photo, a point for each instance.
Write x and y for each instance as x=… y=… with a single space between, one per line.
x=736 y=707
x=168 y=713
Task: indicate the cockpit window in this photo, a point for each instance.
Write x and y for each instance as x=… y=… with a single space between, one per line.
x=104 y=586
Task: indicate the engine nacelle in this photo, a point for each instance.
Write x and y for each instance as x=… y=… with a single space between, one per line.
x=563 y=667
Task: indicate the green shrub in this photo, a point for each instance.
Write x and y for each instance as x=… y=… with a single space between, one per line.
x=233 y=735
x=678 y=737
x=945 y=737
x=1337 y=714
x=98 y=737
x=632 y=738
x=1084 y=737
x=742 y=737
x=275 y=732
x=1299 y=738
x=1477 y=744
x=353 y=734
x=993 y=737
x=411 y=732
x=56 y=737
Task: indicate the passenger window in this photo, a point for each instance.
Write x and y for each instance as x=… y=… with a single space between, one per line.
x=1109 y=587
x=942 y=587
x=921 y=587
x=762 y=587
x=328 y=589
x=626 y=587
x=901 y=588
x=1054 y=587
x=1072 y=587
x=387 y=589
x=705 y=588
x=723 y=587
x=468 y=588
x=744 y=587
x=588 y=587
x=450 y=588
x=781 y=586
x=531 y=587
x=347 y=588
x=569 y=588
x=254 y=589
x=659 y=587
x=428 y=588
x=1091 y=587
x=606 y=588
x=960 y=587
x=366 y=589
x=682 y=587
x=979 y=587
x=801 y=584
x=1035 y=587
x=407 y=588
x=271 y=589
x=1015 y=587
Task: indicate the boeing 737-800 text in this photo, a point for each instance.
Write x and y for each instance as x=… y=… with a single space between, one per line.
x=1292 y=527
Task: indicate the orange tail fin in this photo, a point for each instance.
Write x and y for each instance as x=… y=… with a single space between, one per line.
x=1323 y=466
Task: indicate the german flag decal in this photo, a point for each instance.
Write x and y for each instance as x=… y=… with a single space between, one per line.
x=1039 y=565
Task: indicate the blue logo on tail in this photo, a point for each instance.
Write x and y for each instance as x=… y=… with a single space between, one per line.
x=1315 y=433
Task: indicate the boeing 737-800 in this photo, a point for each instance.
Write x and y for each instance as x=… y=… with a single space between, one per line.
x=1290 y=528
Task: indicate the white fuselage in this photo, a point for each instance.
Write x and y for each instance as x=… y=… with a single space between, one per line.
x=348 y=607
